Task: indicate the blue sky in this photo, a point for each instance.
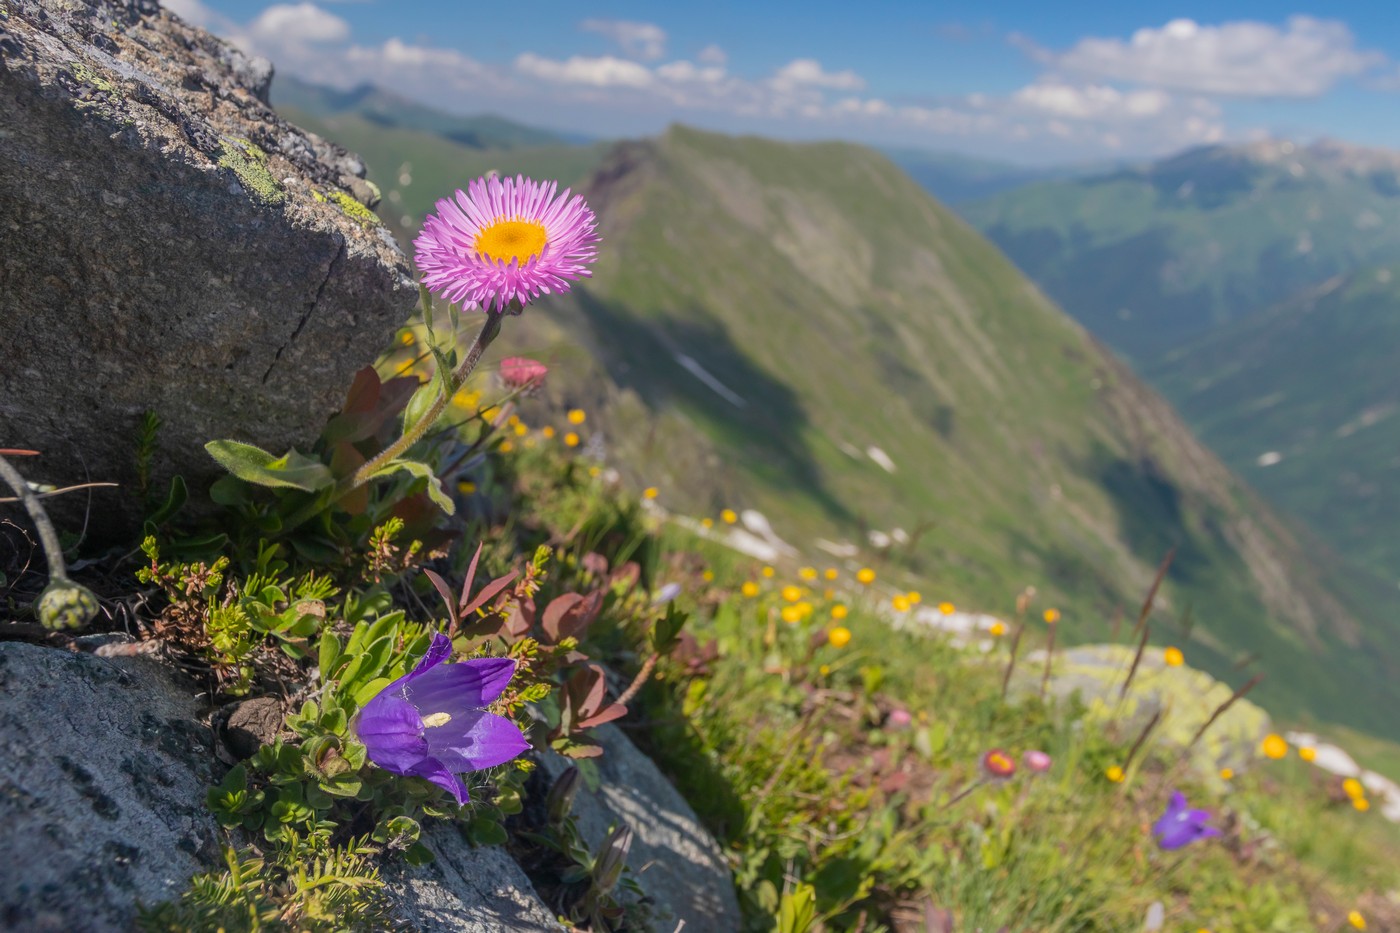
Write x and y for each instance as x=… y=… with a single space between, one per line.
x=1032 y=82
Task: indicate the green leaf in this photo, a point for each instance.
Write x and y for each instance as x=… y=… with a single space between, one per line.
x=229 y=491
x=176 y=498
x=798 y=910
x=368 y=692
x=435 y=491
x=418 y=405
x=255 y=465
x=327 y=655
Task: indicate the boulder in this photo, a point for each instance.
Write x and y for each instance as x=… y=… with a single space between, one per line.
x=1184 y=697
x=168 y=244
x=103 y=771
x=465 y=889
x=674 y=858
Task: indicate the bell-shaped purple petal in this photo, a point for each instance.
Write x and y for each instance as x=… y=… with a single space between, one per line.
x=465 y=685
x=392 y=732
x=489 y=740
x=431 y=723
x=1180 y=825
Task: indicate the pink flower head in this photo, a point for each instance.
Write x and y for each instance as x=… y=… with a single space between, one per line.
x=1036 y=761
x=517 y=372
x=505 y=241
x=899 y=719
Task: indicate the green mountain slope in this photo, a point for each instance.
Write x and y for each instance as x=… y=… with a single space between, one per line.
x=1151 y=257
x=1304 y=401
x=832 y=307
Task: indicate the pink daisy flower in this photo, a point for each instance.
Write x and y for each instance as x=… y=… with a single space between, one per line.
x=518 y=372
x=505 y=241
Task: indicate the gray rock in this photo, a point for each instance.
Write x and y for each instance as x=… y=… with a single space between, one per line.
x=167 y=243
x=674 y=858
x=250 y=724
x=465 y=890
x=103 y=771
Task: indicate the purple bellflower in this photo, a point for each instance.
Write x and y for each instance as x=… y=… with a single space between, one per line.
x=1180 y=825
x=431 y=722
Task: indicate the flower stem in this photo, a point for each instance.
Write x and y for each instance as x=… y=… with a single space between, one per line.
x=488 y=333
x=637 y=681
x=53 y=552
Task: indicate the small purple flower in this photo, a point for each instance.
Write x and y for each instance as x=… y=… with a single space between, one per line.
x=431 y=722
x=1180 y=825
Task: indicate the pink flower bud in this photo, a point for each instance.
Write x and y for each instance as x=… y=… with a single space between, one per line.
x=1036 y=761
x=517 y=372
x=899 y=719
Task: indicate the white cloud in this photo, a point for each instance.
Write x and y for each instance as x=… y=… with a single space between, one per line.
x=603 y=71
x=712 y=55
x=1092 y=100
x=1305 y=58
x=646 y=41
x=808 y=73
x=684 y=72
x=290 y=24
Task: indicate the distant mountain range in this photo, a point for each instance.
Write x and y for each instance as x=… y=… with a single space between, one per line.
x=1254 y=286
x=956 y=179
x=1150 y=257
x=802 y=330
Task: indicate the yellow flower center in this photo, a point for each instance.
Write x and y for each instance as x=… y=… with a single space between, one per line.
x=506 y=239
x=437 y=719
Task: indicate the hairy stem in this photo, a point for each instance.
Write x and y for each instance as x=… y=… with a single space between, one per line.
x=488 y=333
x=647 y=666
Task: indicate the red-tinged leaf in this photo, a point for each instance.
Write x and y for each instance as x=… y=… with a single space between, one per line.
x=364 y=392
x=606 y=714
x=489 y=592
x=585 y=690
x=567 y=616
x=345 y=459
x=445 y=592
x=629 y=574
x=470 y=577
x=521 y=619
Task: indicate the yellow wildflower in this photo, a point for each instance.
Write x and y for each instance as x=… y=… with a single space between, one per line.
x=595 y=471
x=997 y=629
x=1051 y=616
x=547 y=430
x=749 y=589
x=1115 y=774
x=707 y=523
x=708 y=576
x=1353 y=788
x=832 y=573
x=571 y=439
x=824 y=670
x=946 y=608
x=1274 y=746
x=865 y=576
x=576 y=416
x=1227 y=774
x=792 y=593
x=839 y=612
x=466 y=487
x=839 y=637
x=1356 y=920
x=406 y=338
x=1173 y=657
x=900 y=603
x=520 y=429
x=729 y=516
x=1307 y=753
x=506 y=447
x=768 y=572
x=1361 y=804
x=791 y=614
x=804 y=609
x=651 y=492
x=808 y=573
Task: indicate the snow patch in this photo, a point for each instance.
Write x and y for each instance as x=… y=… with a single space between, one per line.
x=880 y=457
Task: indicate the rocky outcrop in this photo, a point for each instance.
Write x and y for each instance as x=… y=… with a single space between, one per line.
x=168 y=244
x=103 y=771
x=674 y=858
x=465 y=889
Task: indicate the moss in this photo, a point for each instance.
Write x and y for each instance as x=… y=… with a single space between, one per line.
x=249 y=163
x=84 y=75
x=349 y=207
